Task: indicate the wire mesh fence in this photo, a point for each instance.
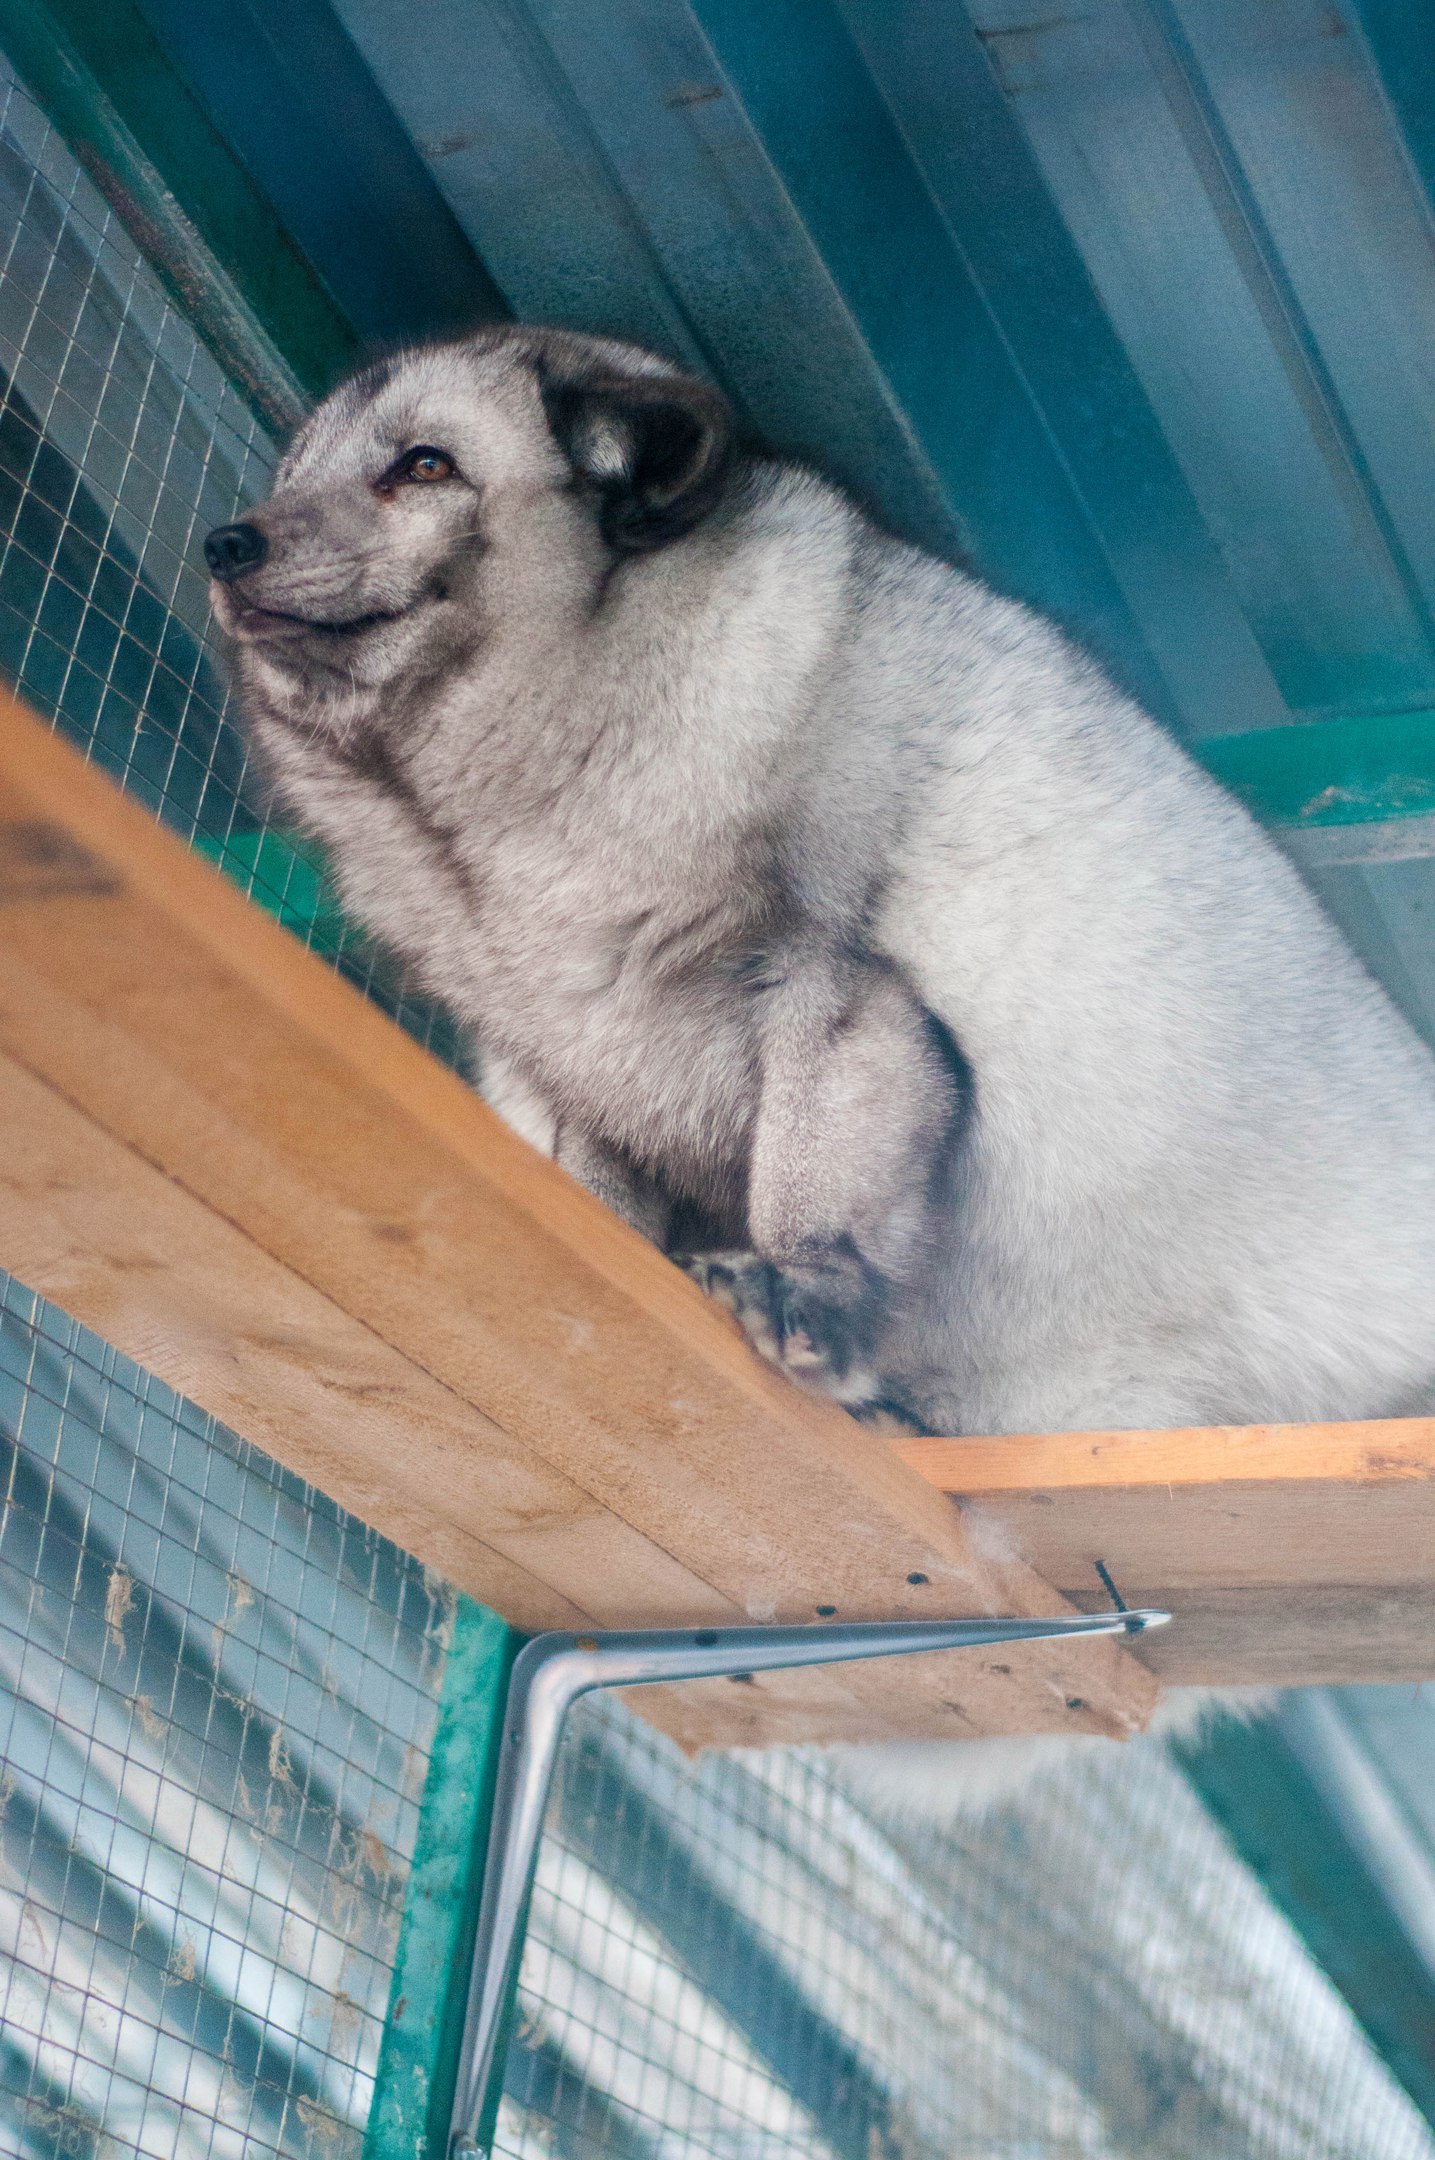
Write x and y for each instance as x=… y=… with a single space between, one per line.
x=218 y=1690
x=216 y=1697
x=749 y=1957
x=217 y=1693
x=121 y=445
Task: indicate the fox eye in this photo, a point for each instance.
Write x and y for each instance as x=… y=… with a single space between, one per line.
x=422 y=463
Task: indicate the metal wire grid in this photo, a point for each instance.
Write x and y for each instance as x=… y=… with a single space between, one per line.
x=217 y=1693
x=121 y=444
x=739 y=1959
x=217 y=1689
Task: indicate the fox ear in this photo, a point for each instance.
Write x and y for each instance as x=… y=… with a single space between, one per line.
x=655 y=446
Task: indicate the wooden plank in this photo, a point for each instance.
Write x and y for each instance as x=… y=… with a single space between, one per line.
x=234 y=1168
x=1288 y=1553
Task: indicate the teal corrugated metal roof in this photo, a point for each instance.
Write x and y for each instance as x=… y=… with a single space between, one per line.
x=1134 y=302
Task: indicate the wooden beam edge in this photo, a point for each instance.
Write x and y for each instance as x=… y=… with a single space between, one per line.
x=1288 y=1555
x=1368 y=1452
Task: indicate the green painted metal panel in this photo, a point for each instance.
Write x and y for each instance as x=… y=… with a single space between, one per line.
x=1143 y=149
x=965 y=137
x=1326 y=185
x=418 y=2065
x=1348 y=771
x=285 y=88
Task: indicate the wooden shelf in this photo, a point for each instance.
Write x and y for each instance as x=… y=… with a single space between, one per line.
x=228 y=1163
x=1287 y=1553
x=238 y=1171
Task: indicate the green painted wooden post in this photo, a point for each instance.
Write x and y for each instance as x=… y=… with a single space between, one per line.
x=413 y=2095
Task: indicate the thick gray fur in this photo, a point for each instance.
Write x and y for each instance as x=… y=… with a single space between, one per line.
x=833 y=917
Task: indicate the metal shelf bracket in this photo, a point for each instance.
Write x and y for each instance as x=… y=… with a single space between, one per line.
x=549 y=1675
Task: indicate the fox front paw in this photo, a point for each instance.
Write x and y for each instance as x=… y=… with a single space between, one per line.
x=793 y=1319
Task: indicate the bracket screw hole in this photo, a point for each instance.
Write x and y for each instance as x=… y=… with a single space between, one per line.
x=826 y=1612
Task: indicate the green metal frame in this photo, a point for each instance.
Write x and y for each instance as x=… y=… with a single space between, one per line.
x=1347 y=771
x=413 y=2093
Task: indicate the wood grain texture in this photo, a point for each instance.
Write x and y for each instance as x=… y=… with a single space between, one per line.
x=224 y=1160
x=1288 y=1553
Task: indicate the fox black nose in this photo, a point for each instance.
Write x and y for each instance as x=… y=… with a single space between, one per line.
x=230 y=550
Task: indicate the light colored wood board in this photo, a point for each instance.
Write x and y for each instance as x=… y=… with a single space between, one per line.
x=538 y=1390
x=1326 y=1634
x=291 y=1372
x=1375 y=1449
x=1224 y=1505
x=1286 y=1553
x=1189 y=1536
